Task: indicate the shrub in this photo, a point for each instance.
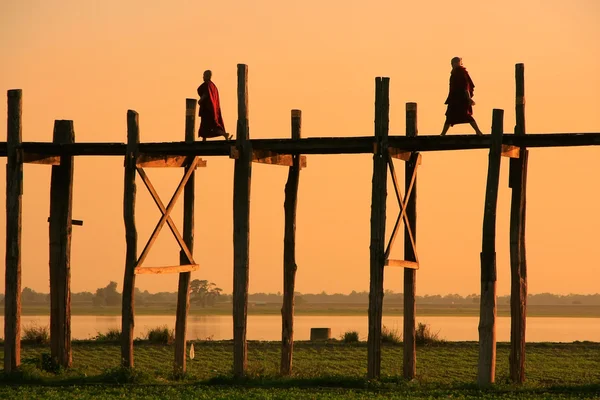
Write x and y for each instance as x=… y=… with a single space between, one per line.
x=390 y=335
x=112 y=335
x=36 y=334
x=161 y=335
x=350 y=337
x=424 y=335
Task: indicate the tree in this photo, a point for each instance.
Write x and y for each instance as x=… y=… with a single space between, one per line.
x=204 y=293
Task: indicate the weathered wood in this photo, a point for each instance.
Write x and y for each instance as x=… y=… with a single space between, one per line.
x=269 y=157
x=510 y=151
x=154 y=194
x=14 y=193
x=402 y=264
x=127 y=313
x=410 y=235
x=61 y=200
x=289 y=252
x=518 y=261
x=167 y=270
x=32 y=158
x=378 y=214
x=163 y=219
x=166 y=161
x=487 y=314
x=183 y=290
x=241 y=226
x=73 y=222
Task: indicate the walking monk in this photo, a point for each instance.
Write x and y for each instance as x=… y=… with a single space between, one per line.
x=211 y=123
x=460 y=99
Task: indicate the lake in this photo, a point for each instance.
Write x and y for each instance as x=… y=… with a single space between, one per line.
x=268 y=327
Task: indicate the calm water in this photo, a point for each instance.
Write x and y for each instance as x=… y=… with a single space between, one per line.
x=269 y=327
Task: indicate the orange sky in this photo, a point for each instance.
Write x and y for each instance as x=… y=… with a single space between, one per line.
x=91 y=61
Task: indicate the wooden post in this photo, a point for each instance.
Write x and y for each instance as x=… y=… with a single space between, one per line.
x=241 y=226
x=518 y=262
x=487 y=309
x=183 y=296
x=410 y=275
x=14 y=193
x=127 y=314
x=61 y=199
x=378 y=209
x=289 y=253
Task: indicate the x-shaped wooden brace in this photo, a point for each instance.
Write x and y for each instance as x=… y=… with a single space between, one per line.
x=166 y=218
x=402 y=215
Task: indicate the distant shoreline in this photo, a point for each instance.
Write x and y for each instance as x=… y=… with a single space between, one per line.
x=423 y=310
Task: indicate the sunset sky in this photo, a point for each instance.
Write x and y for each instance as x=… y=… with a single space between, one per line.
x=91 y=61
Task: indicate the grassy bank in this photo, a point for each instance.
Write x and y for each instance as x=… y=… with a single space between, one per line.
x=429 y=310
x=327 y=370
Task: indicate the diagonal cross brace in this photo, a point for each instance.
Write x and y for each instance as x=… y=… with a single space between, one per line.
x=166 y=212
x=402 y=203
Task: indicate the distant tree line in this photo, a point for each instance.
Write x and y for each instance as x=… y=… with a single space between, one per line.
x=206 y=294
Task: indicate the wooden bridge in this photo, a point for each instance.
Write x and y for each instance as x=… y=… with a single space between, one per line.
x=287 y=152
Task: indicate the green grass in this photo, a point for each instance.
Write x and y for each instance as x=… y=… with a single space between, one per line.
x=36 y=334
x=111 y=335
x=161 y=335
x=423 y=310
x=326 y=370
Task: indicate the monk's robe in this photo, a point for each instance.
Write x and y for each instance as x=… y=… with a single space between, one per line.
x=459 y=109
x=211 y=120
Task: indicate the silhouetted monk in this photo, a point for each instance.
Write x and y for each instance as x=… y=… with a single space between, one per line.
x=211 y=123
x=460 y=102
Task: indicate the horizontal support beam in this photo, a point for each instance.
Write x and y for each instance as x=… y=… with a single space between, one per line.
x=73 y=222
x=166 y=270
x=165 y=161
x=402 y=264
x=33 y=158
x=322 y=145
x=269 y=157
x=402 y=155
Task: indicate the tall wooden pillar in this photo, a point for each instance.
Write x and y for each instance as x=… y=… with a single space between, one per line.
x=487 y=308
x=518 y=261
x=14 y=193
x=61 y=196
x=289 y=253
x=127 y=314
x=183 y=296
x=241 y=226
x=410 y=274
x=378 y=209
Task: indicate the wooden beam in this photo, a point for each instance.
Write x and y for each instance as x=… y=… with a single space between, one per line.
x=127 y=313
x=510 y=151
x=77 y=222
x=241 y=226
x=402 y=264
x=378 y=213
x=487 y=315
x=14 y=194
x=183 y=289
x=61 y=200
x=269 y=157
x=33 y=158
x=163 y=219
x=166 y=161
x=289 y=253
x=518 y=261
x=167 y=270
x=410 y=254
x=163 y=210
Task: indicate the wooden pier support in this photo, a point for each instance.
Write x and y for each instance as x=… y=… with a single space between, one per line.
x=486 y=374
x=14 y=194
x=289 y=253
x=127 y=313
x=61 y=200
x=241 y=226
x=183 y=295
x=410 y=274
x=378 y=216
x=518 y=262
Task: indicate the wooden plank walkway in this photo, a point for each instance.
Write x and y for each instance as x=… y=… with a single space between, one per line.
x=321 y=145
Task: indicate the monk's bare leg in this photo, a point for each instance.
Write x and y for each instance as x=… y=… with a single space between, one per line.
x=445 y=129
x=477 y=130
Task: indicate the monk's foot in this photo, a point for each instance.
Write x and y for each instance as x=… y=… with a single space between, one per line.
x=227 y=136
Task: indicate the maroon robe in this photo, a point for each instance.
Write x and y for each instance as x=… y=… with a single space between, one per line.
x=459 y=109
x=211 y=123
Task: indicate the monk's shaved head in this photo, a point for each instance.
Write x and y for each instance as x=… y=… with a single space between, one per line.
x=207 y=75
x=456 y=61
